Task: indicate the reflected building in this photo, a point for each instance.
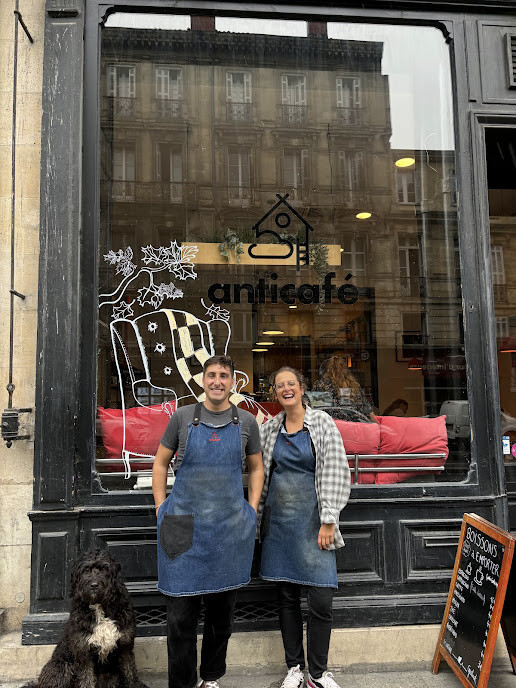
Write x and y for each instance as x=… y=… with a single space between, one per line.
x=195 y=148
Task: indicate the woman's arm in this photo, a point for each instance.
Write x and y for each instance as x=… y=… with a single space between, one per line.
x=334 y=479
x=255 y=479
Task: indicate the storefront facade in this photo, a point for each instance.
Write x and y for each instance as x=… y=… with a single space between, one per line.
x=326 y=187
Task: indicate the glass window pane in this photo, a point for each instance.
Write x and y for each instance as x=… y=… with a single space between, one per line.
x=255 y=191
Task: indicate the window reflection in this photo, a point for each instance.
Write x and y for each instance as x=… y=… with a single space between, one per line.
x=287 y=177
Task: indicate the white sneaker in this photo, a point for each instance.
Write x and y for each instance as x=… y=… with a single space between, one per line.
x=207 y=684
x=294 y=678
x=326 y=681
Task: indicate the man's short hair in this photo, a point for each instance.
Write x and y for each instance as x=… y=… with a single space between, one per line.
x=224 y=361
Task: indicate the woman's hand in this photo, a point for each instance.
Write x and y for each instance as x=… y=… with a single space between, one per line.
x=326 y=533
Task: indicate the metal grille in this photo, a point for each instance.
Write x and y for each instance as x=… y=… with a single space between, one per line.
x=511 y=58
x=147 y=617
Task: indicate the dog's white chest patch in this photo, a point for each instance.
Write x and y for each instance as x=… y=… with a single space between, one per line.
x=105 y=633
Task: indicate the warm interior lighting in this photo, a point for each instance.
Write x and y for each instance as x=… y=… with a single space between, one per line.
x=363 y=216
x=404 y=162
x=341 y=250
x=272 y=328
x=259 y=350
x=414 y=364
x=508 y=345
x=292 y=307
x=264 y=343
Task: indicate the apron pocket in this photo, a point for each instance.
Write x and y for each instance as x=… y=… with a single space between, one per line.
x=176 y=534
x=265 y=522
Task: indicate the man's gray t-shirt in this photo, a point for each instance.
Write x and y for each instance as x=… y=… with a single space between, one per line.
x=177 y=430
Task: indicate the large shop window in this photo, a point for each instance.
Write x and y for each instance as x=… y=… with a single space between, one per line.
x=284 y=192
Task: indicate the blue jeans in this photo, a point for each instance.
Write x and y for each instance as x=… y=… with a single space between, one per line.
x=318 y=627
x=182 y=621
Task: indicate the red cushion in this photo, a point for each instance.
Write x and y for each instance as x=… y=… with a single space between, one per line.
x=360 y=438
x=411 y=436
x=144 y=428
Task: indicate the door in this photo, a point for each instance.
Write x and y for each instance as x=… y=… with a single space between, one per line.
x=501 y=172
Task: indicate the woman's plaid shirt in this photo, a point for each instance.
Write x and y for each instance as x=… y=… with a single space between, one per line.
x=332 y=476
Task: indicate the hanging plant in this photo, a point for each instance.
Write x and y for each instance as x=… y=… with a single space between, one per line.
x=231 y=243
x=319 y=262
x=319 y=259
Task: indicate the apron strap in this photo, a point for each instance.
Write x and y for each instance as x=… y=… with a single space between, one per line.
x=197 y=414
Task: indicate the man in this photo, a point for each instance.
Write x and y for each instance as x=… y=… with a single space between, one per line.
x=206 y=529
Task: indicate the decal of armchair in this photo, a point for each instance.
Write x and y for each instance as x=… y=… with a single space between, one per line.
x=170 y=344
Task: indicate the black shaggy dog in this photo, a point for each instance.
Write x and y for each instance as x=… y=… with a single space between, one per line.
x=96 y=650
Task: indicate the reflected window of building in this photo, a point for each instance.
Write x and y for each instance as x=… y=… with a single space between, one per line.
x=349 y=100
x=293 y=98
x=124 y=172
x=121 y=89
x=405 y=186
x=295 y=171
x=498 y=268
x=169 y=172
x=408 y=256
x=169 y=91
x=239 y=176
x=354 y=255
x=238 y=96
x=352 y=173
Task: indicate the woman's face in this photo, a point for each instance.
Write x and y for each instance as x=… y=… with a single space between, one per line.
x=288 y=390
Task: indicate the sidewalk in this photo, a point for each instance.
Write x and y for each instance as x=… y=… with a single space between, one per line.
x=386 y=657
x=255 y=678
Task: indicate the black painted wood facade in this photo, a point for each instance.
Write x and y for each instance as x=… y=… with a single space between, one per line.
x=401 y=539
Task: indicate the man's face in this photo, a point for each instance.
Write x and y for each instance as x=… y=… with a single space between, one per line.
x=217 y=383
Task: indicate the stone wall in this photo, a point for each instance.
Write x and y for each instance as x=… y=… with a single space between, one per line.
x=16 y=474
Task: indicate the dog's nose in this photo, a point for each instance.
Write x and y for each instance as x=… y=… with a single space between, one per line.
x=94 y=586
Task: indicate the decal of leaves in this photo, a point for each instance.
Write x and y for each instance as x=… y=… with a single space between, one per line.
x=154 y=295
x=214 y=312
x=174 y=258
x=123 y=310
x=123 y=261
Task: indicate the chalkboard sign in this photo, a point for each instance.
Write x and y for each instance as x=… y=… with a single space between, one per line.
x=475 y=601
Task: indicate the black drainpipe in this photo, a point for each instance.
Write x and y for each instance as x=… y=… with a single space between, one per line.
x=10 y=417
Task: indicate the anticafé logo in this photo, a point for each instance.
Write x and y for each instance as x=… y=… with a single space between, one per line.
x=214 y=438
x=283 y=219
x=286 y=231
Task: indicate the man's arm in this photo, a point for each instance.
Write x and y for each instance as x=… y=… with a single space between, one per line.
x=159 y=474
x=255 y=482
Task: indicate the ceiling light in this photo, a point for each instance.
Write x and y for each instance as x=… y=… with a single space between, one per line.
x=264 y=343
x=257 y=350
x=363 y=216
x=405 y=162
x=292 y=307
x=272 y=327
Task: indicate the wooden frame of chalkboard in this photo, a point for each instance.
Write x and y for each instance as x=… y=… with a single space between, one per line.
x=475 y=601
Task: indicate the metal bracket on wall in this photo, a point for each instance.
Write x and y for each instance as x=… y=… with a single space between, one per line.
x=11 y=425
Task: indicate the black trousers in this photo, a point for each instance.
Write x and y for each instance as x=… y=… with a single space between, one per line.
x=182 y=621
x=318 y=627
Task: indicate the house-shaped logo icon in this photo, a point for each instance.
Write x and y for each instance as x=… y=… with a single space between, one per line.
x=288 y=223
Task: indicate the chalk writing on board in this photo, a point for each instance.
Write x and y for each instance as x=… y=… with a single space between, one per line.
x=471 y=608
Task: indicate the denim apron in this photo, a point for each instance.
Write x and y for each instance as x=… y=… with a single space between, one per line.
x=206 y=529
x=290 y=551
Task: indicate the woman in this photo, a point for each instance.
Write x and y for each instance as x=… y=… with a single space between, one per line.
x=398 y=407
x=349 y=400
x=307 y=484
